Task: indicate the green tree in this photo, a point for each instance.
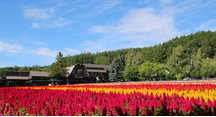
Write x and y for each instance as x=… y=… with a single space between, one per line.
x=157 y=54
x=131 y=73
x=133 y=58
x=208 y=68
x=178 y=60
x=146 y=72
x=117 y=68
x=162 y=72
x=102 y=60
x=196 y=61
x=153 y=71
x=178 y=76
x=170 y=74
x=58 y=68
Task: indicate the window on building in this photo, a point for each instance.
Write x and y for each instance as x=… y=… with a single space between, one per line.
x=79 y=71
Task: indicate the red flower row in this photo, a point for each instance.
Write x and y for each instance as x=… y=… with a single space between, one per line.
x=69 y=102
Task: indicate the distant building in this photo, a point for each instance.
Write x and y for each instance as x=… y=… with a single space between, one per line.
x=26 y=78
x=78 y=73
x=91 y=71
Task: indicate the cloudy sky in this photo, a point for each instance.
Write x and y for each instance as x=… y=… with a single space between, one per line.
x=32 y=32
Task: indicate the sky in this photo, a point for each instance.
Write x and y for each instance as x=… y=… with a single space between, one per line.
x=32 y=32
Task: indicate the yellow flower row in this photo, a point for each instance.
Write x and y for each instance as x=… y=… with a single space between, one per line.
x=205 y=94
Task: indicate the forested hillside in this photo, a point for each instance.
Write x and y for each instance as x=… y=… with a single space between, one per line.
x=184 y=56
x=158 y=53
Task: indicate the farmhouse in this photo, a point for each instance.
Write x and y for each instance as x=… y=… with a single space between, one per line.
x=26 y=78
x=78 y=73
x=88 y=72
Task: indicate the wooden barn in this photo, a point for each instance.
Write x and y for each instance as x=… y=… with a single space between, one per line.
x=78 y=73
x=27 y=78
x=88 y=72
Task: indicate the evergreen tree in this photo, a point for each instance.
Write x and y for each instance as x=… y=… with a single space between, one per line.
x=58 y=69
x=117 y=68
x=178 y=60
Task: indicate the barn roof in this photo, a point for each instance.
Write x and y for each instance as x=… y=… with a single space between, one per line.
x=39 y=73
x=89 y=68
x=106 y=67
x=70 y=69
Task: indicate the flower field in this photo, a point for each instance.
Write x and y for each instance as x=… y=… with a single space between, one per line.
x=128 y=99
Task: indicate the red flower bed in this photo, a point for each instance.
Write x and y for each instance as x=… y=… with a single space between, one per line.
x=69 y=102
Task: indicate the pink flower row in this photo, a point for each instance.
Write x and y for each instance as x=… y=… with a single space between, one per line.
x=58 y=102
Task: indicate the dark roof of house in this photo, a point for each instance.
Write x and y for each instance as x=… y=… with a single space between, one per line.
x=106 y=67
x=17 y=73
x=25 y=75
x=39 y=73
x=90 y=68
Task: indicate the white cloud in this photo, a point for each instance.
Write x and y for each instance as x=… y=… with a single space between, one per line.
x=99 y=45
x=51 y=10
x=210 y=25
x=139 y=21
x=38 y=43
x=45 y=52
x=109 y=4
x=12 y=48
x=35 y=25
x=60 y=22
x=139 y=27
x=30 y=41
x=72 y=50
x=68 y=11
x=46 y=17
x=36 y=13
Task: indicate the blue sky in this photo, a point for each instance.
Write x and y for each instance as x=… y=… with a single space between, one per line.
x=32 y=32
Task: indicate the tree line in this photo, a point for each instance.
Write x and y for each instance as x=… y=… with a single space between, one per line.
x=191 y=56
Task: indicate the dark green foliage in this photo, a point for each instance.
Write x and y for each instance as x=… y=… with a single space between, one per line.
x=117 y=68
x=196 y=60
x=208 y=69
x=102 y=60
x=58 y=69
x=131 y=73
x=133 y=58
x=178 y=60
x=152 y=71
